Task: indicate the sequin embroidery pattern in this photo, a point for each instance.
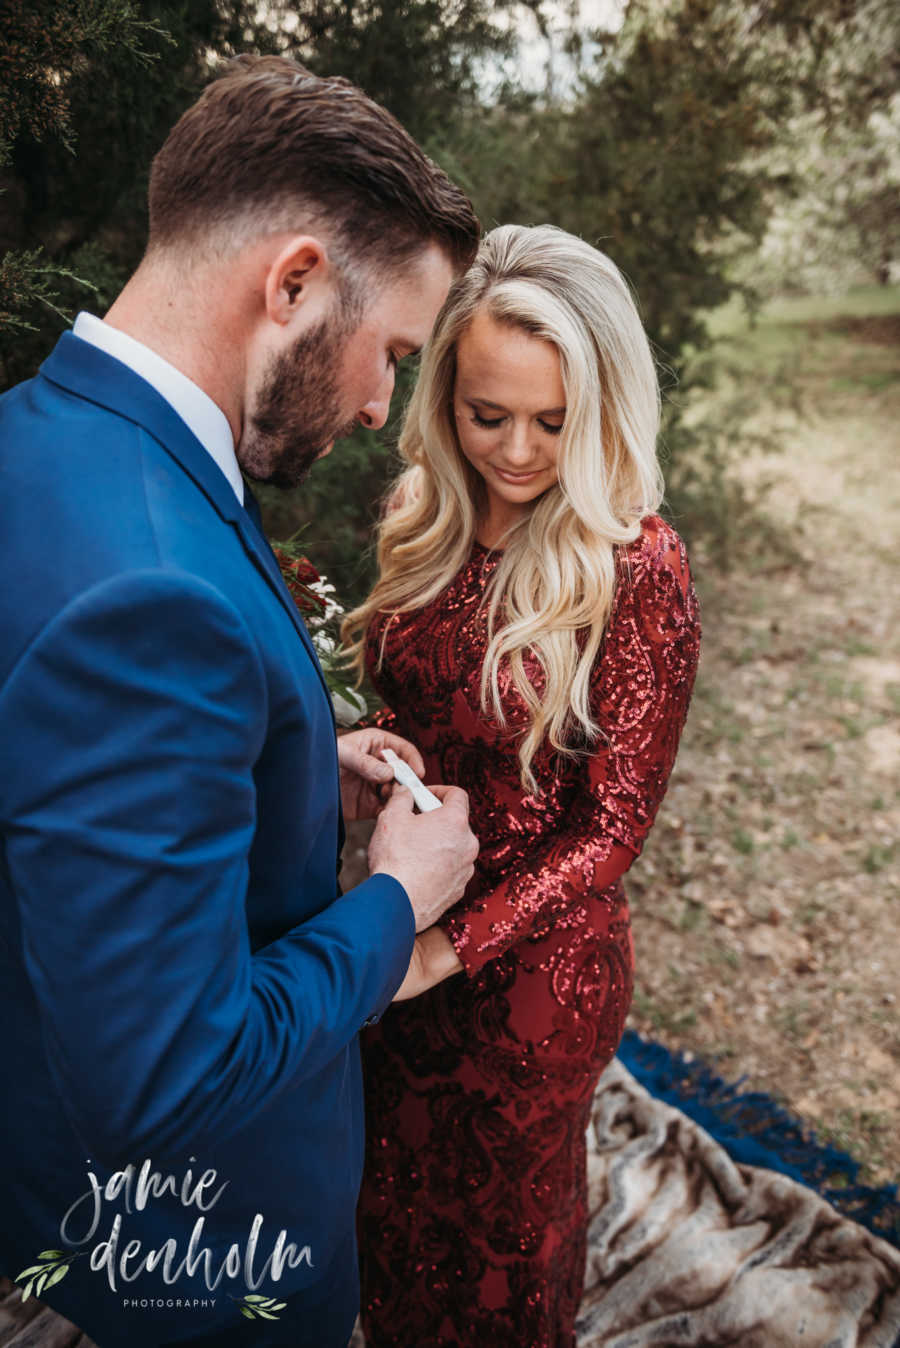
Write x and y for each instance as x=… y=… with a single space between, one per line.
x=472 y=1217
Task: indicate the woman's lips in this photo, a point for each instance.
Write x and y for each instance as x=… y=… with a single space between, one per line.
x=517 y=477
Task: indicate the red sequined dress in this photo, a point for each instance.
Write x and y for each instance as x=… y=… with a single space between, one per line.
x=472 y=1218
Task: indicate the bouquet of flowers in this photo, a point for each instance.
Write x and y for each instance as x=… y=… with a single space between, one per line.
x=314 y=597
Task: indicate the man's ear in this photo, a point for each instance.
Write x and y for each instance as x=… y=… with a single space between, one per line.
x=299 y=279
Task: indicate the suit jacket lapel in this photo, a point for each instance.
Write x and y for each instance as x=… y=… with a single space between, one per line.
x=254 y=540
x=85 y=370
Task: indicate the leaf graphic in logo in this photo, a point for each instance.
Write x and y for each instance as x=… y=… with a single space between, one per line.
x=256 y=1307
x=58 y=1273
x=45 y=1274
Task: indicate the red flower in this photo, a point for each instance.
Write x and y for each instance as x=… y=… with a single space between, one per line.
x=299 y=574
x=302 y=570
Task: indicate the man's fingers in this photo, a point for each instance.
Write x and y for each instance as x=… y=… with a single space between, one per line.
x=408 y=752
x=401 y=798
x=454 y=796
x=376 y=770
x=368 y=766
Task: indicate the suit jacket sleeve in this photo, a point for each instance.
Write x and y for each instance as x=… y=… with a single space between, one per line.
x=640 y=693
x=132 y=724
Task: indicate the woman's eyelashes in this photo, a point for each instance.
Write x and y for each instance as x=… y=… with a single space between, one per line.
x=492 y=423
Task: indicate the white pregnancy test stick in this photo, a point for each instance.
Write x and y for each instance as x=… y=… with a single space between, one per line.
x=403 y=773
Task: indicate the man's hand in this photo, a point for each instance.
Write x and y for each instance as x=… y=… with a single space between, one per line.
x=432 y=855
x=365 y=777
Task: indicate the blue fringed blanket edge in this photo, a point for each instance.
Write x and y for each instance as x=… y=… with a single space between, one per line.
x=755 y=1129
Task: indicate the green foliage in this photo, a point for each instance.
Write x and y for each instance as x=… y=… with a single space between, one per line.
x=44 y=45
x=27 y=280
x=652 y=162
x=421 y=59
x=89 y=91
x=47 y=49
x=668 y=151
x=836 y=217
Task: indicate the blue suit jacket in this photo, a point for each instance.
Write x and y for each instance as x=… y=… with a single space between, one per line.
x=182 y=980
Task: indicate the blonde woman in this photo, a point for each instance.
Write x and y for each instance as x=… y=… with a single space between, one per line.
x=534 y=631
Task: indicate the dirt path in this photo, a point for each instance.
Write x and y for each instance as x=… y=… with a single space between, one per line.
x=766 y=906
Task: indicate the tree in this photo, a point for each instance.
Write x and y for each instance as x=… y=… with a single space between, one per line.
x=421 y=59
x=44 y=47
x=89 y=90
x=835 y=169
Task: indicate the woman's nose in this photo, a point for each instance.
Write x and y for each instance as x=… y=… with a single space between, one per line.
x=518 y=445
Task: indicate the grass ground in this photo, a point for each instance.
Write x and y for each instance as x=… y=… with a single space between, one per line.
x=766 y=905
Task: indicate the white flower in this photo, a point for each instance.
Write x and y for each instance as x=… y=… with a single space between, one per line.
x=324 y=644
x=345 y=712
x=324 y=589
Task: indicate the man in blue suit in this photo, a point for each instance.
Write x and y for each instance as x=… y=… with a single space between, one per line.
x=183 y=982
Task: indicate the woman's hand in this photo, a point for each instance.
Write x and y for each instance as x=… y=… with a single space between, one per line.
x=433 y=959
x=365 y=777
x=414 y=982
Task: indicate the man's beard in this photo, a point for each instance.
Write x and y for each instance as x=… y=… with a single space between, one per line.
x=297 y=412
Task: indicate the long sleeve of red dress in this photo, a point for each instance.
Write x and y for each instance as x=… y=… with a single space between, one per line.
x=640 y=694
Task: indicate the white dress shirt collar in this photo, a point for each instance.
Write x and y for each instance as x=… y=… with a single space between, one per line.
x=196 y=409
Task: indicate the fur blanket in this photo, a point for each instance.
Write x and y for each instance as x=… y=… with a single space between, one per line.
x=687 y=1248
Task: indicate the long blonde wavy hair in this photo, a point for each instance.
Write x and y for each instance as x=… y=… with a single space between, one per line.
x=552 y=590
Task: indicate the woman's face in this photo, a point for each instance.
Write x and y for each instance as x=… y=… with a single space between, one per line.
x=509 y=403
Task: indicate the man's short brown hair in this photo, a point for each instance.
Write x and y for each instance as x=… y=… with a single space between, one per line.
x=269 y=146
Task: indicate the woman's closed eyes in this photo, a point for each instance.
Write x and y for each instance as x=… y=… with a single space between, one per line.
x=492 y=423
